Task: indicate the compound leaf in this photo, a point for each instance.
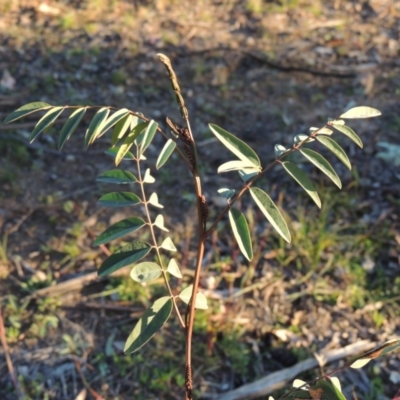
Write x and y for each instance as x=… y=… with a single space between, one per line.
x=241 y=232
x=148 y=136
x=151 y=322
x=302 y=179
x=119 y=229
x=173 y=268
x=119 y=199
x=335 y=149
x=348 y=132
x=166 y=152
x=321 y=163
x=25 y=110
x=120 y=128
x=145 y=272
x=271 y=211
x=127 y=255
x=385 y=348
x=117 y=176
x=96 y=125
x=236 y=146
x=46 y=121
x=201 y=299
x=70 y=126
x=361 y=112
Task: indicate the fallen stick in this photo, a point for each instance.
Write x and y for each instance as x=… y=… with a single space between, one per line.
x=279 y=379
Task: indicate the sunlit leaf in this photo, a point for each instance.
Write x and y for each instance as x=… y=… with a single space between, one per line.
x=145 y=272
x=153 y=200
x=159 y=223
x=70 y=126
x=322 y=131
x=385 y=348
x=279 y=150
x=271 y=211
x=241 y=232
x=114 y=151
x=129 y=140
x=302 y=179
x=151 y=322
x=201 y=299
x=173 y=268
x=46 y=121
x=119 y=229
x=301 y=137
x=96 y=125
x=112 y=120
x=166 y=152
x=335 y=149
x=119 y=199
x=167 y=244
x=148 y=178
x=238 y=165
x=322 y=164
x=26 y=110
x=148 y=136
x=120 y=129
x=236 y=146
x=127 y=255
x=361 y=112
x=117 y=176
x=226 y=193
x=349 y=133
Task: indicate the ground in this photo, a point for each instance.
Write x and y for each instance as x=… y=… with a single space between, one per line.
x=264 y=70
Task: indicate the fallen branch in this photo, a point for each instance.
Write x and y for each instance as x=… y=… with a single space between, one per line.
x=279 y=379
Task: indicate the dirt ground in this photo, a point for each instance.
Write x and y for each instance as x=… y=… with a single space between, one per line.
x=264 y=70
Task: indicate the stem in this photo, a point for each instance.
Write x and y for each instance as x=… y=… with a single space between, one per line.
x=153 y=235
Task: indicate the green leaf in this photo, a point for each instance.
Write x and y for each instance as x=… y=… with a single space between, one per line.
x=148 y=136
x=201 y=300
x=127 y=255
x=348 y=132
x=119 y=229
x=238 y=165
x=151 y=322
x=321 y=163
x=168 y=244
x=153 y=200
x=117 y=176
x=385 y=348
x=226 y=193
x=119 y=199
x=247 y=175
x=129 y=140
x=236 y=146
x=241 y=232
x=96 y=125
x=26 y=110
x=335 y=149
x=271 y=211
x=159 y=223
x=120 y=128
x=70 y=126
x=361 y=112
x=46 y=121
x=145 y=272
x=112 y=120
x=173 y=268
x=166 y=152
x=114 y=151
x=302 y=179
